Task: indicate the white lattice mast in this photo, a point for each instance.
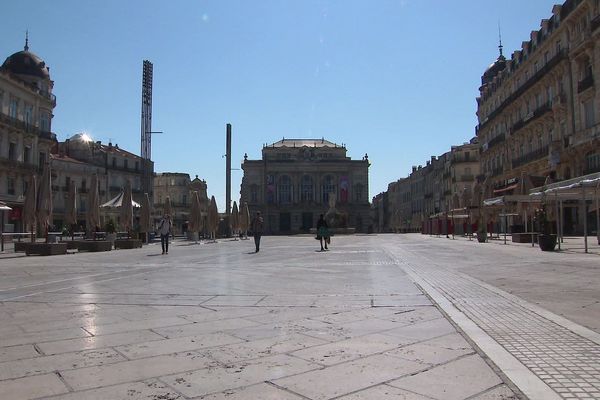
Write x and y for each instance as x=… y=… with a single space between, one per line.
x=146 y=141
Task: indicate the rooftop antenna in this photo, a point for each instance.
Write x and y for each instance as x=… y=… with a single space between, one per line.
x=26 y=40
x=500 y=40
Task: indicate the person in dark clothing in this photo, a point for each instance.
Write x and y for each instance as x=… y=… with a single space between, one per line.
x=322 y=232
x=257 y=229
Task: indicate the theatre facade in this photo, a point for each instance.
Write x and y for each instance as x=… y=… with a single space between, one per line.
x=292 y=184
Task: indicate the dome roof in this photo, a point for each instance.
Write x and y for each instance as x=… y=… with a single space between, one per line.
x=81 y=138
x=494 y=69
x=26 y=63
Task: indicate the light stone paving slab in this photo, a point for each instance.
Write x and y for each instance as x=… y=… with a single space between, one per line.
x=218 y=313
x=446 y=382
x=32 y=387
x=37 y=337
x=10 y=330
x=17 y=352
x=235 y=353
x=351 y=349
x=414 y=315
x=169 y=346
x=219 y=379
x=501 y=392
x=434 y=351
x=392 y=301
x=88 y=323
x=423 y=330
x=97 y=342
x=151 y=389
x=233 y=301
x=384 y=392
x=287 y=301
x=136 y=370
x=335 y=332
x=262 y=391
x=47 y=364
x=284 y=314
x=137 y=325
x=349 y=377
x=362 y=314
x=257 y=331
x=205 y=327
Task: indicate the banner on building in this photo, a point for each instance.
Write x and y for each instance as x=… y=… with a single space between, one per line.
x=344 y=185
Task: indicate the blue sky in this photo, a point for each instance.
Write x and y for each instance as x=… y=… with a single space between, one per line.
x=394 y=79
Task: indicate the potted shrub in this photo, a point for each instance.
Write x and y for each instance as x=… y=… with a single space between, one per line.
x=546 y=239
x=111 y=231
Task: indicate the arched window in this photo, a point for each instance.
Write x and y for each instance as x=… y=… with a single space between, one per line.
x=285 y=190
x=254 y=194
x=328 y=187
x=306 y=189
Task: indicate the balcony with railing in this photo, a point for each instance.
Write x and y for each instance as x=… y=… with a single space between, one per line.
x=49 y=96
x=585 y=83
x=496 y=141
x=531 y=156
x=25 y=127
x=457 y=159
x=532 y=116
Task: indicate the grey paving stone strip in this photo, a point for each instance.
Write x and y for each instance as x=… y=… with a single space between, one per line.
x=561 y=358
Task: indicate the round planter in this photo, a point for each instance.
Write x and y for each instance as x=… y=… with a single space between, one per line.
x=547 y=242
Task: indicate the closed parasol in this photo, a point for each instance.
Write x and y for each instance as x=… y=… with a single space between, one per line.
x=44 y=205
x=245 y=219
x=235 y=219
x=465 y=198
x=126 y=210
x=29 y=207
x=455 y=201
x=71 y=206
x=213 y=217
x=145 y=212
x=195 y=222
x=92 y=216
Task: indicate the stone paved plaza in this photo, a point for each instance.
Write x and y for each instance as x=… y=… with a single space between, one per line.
x=376 y=317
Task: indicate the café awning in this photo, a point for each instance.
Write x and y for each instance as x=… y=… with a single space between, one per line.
x=117 y=201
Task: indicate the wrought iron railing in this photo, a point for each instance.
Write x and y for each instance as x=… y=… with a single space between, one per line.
x=26 y=127
x=585 y=83
x=531 y=156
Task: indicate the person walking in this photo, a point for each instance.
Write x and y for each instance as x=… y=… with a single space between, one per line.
x=257 y=229
x=322 y=232
x=164 y=228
